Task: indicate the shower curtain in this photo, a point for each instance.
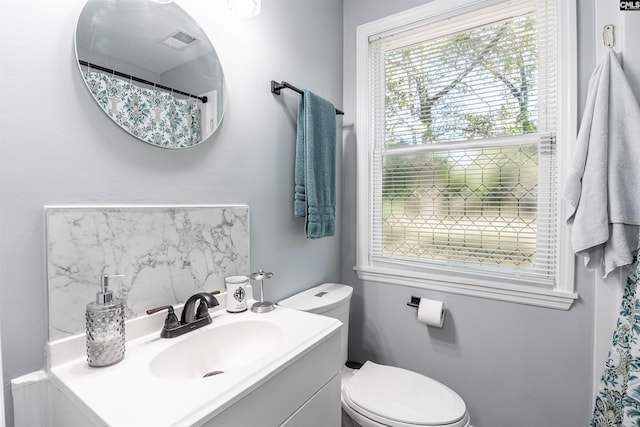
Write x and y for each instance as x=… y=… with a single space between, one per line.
x=151 y=115
x=618 y=399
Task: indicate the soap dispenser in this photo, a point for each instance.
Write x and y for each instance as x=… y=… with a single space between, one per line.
x=105 y=327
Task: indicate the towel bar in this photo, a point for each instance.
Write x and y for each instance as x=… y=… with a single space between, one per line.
x=277 y=87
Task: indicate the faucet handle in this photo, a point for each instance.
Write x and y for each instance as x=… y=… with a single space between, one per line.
x=203 y=310
x=171 y=321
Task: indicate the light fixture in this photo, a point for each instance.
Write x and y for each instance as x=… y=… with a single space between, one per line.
x=245 y=8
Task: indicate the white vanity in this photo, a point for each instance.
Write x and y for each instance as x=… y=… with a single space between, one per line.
x=270 y=369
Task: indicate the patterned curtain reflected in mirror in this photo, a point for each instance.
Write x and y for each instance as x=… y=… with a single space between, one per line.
x=154 y=116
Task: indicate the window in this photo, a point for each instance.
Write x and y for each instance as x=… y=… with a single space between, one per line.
x=465 y=117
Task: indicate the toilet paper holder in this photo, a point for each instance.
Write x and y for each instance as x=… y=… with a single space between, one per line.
x=415 y=302
x=430 y=312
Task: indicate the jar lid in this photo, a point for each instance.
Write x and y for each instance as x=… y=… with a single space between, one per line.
x=236 y=280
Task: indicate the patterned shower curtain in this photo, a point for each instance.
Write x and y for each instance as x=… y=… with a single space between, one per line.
x=153 y=116
x=618 y=400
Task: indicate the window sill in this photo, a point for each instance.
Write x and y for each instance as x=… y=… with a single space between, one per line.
x=521 y=294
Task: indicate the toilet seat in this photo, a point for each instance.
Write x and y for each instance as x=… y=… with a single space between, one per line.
x=400 y=398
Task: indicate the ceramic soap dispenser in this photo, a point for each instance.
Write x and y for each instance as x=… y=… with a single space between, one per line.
x=105 y=327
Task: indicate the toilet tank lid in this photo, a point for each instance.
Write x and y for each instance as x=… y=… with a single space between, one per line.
x=319 y=299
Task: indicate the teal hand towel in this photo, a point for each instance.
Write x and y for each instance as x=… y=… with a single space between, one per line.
x=315 y=167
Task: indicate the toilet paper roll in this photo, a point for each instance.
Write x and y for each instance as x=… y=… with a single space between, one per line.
x=431 y=312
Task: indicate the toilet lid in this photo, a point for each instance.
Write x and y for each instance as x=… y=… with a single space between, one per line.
x=391 y=395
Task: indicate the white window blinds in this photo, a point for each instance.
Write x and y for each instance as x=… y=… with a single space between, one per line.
x=462 y=151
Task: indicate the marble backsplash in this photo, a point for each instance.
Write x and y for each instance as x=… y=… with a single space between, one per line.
x=166 y=254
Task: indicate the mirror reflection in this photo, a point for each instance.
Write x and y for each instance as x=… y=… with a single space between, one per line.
x=152 y=69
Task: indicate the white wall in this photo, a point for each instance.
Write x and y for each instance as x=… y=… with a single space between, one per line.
x=58 y=147
x=514 y=365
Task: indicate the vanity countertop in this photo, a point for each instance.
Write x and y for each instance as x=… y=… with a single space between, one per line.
x=129 y=394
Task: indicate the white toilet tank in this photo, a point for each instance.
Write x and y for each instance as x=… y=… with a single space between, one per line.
x=328 y=299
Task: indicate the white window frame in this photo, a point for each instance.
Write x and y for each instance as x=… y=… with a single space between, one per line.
x=562 y=294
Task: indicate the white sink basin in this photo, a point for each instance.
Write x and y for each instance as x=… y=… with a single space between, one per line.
x=215 y=351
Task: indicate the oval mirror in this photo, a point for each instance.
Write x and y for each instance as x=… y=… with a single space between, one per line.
x=152 y=70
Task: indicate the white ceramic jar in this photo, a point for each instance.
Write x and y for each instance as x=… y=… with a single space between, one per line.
x=236 y=293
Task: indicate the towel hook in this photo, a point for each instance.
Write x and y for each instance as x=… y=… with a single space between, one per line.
x=607 y=35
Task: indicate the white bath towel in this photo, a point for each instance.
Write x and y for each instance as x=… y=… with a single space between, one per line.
x=603 y=185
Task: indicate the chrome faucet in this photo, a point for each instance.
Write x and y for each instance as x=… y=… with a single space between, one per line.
x=193 y=316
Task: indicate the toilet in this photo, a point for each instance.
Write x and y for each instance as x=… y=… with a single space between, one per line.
x=378 y=395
